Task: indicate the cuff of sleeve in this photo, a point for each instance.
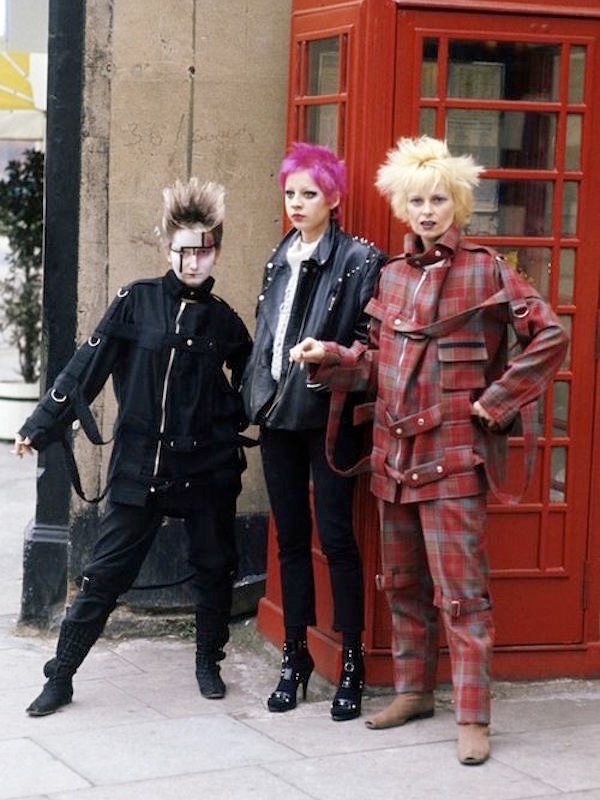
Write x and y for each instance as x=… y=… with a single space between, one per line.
x=499 y=410
x=318 y=373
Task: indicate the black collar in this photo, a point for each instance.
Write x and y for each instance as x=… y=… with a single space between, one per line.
x=182 y=292
x=322 y=251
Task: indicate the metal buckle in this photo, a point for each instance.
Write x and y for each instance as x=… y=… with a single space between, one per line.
x=521 y=311
x=455 y=608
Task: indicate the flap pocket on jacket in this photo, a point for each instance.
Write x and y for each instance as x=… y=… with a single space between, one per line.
x=415 y=423
x=462 y=363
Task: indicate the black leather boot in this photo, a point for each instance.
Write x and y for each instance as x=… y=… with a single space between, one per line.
x=74 y=643
x=296 y=668
x=348 y=698
x=212 y=634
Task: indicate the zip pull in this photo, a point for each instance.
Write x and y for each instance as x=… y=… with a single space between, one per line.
x=334 y=296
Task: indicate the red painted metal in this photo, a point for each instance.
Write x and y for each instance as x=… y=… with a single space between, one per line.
x=573 y=9
x=545 y=556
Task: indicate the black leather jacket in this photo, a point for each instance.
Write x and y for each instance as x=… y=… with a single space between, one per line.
x=179 y=418
x=333 y=289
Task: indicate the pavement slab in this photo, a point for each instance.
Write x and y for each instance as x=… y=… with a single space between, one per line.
x=139 y=728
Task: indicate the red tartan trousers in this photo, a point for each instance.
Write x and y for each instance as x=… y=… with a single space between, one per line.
x=435 y=563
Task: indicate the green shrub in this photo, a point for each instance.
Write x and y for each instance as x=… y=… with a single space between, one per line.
x=21 y=221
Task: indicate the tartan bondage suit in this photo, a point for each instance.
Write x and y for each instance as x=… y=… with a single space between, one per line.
x=438 y=342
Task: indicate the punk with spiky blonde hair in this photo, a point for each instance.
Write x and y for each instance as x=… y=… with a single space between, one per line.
x=194 y=204
x=446 y=399
x=423 y=164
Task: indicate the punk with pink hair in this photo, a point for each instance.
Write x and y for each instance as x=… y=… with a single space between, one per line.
x=321 y=163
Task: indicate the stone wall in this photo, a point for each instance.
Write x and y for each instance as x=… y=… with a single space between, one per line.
x=173 y=88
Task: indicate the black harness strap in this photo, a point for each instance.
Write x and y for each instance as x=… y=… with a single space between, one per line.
x=74 y=474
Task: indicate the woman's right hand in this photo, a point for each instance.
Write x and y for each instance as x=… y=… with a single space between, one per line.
x=22 y=446
x=310 y=351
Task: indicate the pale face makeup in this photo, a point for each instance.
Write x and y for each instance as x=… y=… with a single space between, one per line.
x=306 y=206
x=192 y=255
x=430 y=213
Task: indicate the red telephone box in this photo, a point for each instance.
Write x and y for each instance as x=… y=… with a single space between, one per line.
x=518 y=86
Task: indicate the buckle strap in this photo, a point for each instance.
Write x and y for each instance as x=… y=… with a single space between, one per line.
x=464 y=605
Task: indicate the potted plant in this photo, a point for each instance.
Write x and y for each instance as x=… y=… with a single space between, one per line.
x=21 y=222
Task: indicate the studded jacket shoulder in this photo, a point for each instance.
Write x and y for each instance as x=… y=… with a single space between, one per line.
x=334 y=286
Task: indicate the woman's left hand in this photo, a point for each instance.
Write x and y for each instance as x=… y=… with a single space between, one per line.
x=477 y=410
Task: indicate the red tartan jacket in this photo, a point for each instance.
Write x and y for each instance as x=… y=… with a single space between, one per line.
x=426 y=442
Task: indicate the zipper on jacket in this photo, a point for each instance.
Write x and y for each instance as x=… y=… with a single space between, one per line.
x=165 y=391
x=403 y=353
x=299 y=337
x=279 y=392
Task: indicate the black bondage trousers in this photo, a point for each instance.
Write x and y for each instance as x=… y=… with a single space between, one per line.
x=126 y=534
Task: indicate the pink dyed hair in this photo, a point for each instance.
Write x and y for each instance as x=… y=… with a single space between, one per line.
x=321 y=163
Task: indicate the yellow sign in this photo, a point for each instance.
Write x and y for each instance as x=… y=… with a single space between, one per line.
x=15 y=89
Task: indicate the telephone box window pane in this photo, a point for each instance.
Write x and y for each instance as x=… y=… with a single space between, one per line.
x=322 y=125
x=566 y=277
x=512 y=208
x=429 y=68
x=570 y=208
x=324 y=66
x=532 y=263
x=576 y=74
x=476 y=133
x=558 y=472
x=503 y=70
x=427 y=122
x=528 y=140
x=565 y=321
x=561 y=408
x=475 y=79
x=573 y=146
x=512 y=139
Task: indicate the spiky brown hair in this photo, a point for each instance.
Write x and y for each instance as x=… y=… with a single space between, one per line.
x=194 y=205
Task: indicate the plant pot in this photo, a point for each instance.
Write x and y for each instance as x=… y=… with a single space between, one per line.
x=17 y=401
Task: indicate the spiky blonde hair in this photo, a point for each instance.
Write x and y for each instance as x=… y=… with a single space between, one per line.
x=193 y=205
x=421 y=165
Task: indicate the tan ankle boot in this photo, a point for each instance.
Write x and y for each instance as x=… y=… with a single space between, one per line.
x=473 y=744
x=403 y=708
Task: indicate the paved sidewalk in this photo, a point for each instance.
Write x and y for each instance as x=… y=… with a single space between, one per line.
x=138 y=728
